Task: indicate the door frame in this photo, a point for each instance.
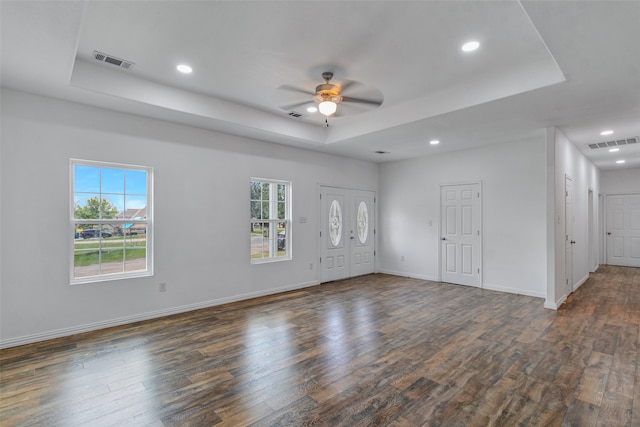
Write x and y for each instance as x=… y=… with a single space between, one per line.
x=481 y=242
x=568 y=240
x=602 y=256
x=319 y=187
x=605 y=222
x=592 y=220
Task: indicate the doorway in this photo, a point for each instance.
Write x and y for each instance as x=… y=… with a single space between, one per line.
x=568 y=240
x=347 y=233
x=460 y=224
x=623 y=230
x=593 y=257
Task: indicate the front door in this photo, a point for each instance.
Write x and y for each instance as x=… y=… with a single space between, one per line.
x=460 y=244
x=623 y=230
x=347 y=233
x=361 y=237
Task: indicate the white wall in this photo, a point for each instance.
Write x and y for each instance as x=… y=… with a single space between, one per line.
x=201 y=215
x=513 y=179
x=620 y=181
x=570 y=162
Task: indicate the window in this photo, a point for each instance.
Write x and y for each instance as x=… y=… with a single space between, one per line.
x=270 y=220
x=111 y=213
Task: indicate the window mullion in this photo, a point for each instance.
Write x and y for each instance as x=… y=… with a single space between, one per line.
x=273 y=225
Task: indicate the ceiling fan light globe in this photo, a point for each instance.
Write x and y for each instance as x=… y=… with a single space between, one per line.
x=327 y=108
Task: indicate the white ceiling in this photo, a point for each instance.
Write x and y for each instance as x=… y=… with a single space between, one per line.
x=574 y=65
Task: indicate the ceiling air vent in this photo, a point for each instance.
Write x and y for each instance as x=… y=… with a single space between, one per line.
x=381 y=152
x=103 y=57
x=615 y=143
x=294 y=114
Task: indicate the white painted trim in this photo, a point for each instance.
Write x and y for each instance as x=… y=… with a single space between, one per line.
x=407 y=274
x=550 y=305
x=634 y=193
x=13 y=342
x=149 y=234
x=605 y=225
x=556 y=305
x=486 y=286
x=581 y=282
x=572 y=219
x=591 y=224
x=510 y=290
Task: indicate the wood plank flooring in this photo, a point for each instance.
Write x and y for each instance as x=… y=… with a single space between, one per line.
x=373 y=350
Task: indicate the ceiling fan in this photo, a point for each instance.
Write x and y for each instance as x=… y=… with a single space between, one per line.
x=353 y=97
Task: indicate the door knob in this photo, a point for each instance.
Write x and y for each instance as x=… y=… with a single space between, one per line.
x=443 y=238
x=573 y=242
x=608 y=233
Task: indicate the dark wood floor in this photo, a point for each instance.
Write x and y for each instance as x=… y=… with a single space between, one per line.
x=374 y=350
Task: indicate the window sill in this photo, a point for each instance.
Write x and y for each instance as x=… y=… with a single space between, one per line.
x=270 y=260
x=110 y=277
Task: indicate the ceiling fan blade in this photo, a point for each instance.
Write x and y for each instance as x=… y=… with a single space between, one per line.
x=346 y=85
x=362 y=101
x=352 y=108
x=292 y=88
x=290 y=107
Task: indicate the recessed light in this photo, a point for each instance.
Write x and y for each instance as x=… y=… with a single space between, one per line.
x=614 y=150
x=184 y=68
x=434 y=142
x=606 y=132
x=619 y=161
x=470 y=46
x=312 y=109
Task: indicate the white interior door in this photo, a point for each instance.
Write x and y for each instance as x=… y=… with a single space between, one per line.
x=623 y=230
x=347 y=246
x=460 y=244
x=568 y=240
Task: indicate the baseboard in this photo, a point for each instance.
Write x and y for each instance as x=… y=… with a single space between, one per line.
x=29 y=339
x=580 y=282
x=555 y=305
x=500 y=288
x=487 y=286
x=551 y=305
x=405 y=274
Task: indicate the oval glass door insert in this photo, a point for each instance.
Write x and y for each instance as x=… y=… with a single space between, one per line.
x=335 y=223
x=363 y=222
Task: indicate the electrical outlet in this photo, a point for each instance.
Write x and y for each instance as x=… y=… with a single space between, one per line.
x=162 y=287
x=311 y=266
x=402 y=258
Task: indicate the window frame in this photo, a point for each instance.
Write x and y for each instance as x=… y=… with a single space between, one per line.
x=274 y=220
x=74 y=222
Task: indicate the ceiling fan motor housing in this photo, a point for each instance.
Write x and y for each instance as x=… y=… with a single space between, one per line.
x=328 y=92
